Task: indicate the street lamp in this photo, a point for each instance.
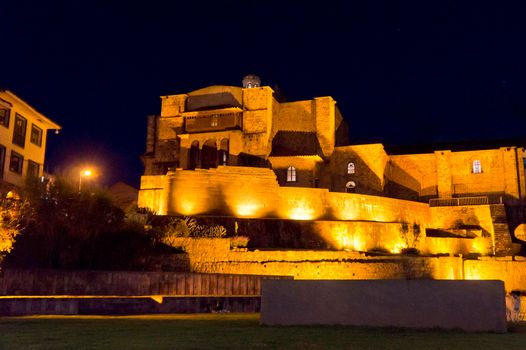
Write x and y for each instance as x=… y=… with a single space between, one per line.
x=84 y=173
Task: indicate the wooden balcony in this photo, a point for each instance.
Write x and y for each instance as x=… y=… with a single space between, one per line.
x=196 y=122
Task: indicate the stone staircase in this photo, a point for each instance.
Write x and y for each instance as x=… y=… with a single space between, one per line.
x=503 y=243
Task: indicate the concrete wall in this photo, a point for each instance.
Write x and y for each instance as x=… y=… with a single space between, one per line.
x=473 y=306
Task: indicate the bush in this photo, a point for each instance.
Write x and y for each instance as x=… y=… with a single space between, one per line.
x=10 y=212
x=410 y=251
x=239 y=242
x=379 y=250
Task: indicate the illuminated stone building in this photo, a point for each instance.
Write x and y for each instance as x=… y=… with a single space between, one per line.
x=240 y=152
x=23 y=136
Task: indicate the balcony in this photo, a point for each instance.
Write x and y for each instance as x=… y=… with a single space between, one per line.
x=461 y=201
x=196 y=122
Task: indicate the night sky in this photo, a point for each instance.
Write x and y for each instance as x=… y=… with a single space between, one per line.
x=402 y=73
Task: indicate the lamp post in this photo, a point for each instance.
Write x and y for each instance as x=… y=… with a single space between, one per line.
x=84 y=173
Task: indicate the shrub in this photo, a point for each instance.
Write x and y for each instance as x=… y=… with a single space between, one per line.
x=239 y=242
x=410 y=251
x=9 y=224
x=379 y=250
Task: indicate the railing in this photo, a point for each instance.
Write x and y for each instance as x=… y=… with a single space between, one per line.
x=455 y=202
x=212 y=121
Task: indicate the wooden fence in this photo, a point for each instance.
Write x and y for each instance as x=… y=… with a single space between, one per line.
x=127 y=283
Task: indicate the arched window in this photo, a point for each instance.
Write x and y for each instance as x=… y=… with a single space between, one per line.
x=350 y=168
x=350 y=187
x=291 y=174
x=477 y=167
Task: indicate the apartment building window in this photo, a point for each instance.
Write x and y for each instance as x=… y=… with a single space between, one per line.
x=19 y=133
x=2 y=161
x=16 y=163
x=291 y=174
x=350 y=168
x=36 y=135
x=33 y=169
x=4 y=117
x=477 y=167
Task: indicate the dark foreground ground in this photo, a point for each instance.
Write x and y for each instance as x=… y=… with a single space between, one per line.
x=227 y=331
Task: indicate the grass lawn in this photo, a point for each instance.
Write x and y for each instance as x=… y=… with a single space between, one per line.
x=227 y=331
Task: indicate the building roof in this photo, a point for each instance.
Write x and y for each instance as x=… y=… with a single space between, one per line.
x=42 y=118
x=470 y=145
x=295 y=143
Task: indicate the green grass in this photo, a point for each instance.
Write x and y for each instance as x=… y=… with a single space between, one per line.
x=228 y=331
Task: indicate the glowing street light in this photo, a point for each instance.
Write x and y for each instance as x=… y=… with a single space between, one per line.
x=84 y=173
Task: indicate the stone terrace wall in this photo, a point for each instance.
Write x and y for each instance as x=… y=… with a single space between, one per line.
x=254 y=193
x=215 y=256
x=512 y=272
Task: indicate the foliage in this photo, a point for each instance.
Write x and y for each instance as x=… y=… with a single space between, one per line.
x=410 y=251
x=188 y=227
x=10 y=212
x=239 y=241
x=410 y=235
x=379 y=250
x=63 y=228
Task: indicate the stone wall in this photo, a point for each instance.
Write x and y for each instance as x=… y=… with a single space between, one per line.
x=215 y=256
x=448 y=173
x=511 y=270
x=370 y=163
x=255 y=193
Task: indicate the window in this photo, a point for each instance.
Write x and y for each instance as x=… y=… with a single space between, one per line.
x=4 y=117
x=19 y=133
x=32 y=169
x=213 y=121
x=16 y=163
x=350 y=168
x=36 y=135
x=2 y=161
x=350 y=187
x=291 y=174
x=477 y=167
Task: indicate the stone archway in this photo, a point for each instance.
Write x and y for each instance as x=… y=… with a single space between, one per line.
x=223 y=152
x=209 y=155
x=193 y=156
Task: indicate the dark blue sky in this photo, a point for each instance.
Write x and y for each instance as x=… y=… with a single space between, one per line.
x=401 y=72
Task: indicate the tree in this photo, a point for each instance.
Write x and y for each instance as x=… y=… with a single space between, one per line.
x=61 y=225
x=9 y=225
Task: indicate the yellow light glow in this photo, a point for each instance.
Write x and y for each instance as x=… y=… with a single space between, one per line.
x=480 y=245
x=397 y=248
x=358 y=243
x=187 y=207
x=86 y=172
x=302 y=211
x=247 y=209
